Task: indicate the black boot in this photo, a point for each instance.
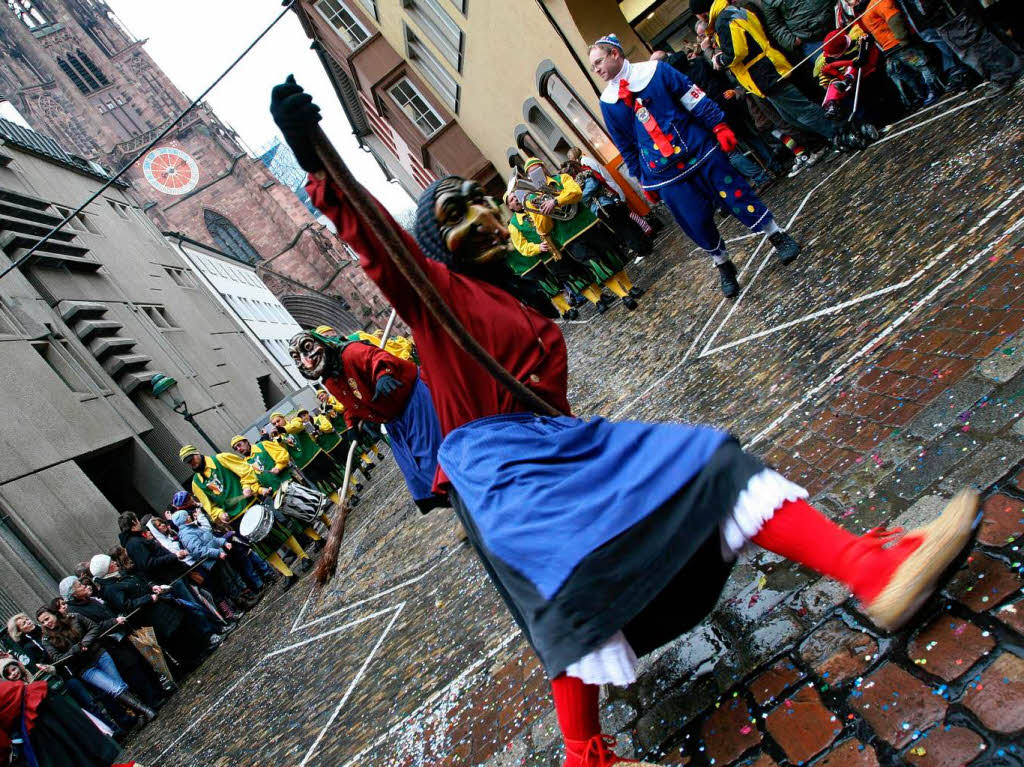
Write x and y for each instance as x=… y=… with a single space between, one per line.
x=786 y=247
x=727 y=274
x=572 y=314
x=136 y=705
x=289 y=581
x=630 y=303
x=305 y=563
x=636 y=292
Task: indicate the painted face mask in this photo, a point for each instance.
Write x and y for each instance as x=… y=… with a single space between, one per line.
x=469 y=222
x=310 y=351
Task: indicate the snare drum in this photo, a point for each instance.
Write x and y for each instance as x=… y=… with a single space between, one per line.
x=256 y=522
x=300 y=502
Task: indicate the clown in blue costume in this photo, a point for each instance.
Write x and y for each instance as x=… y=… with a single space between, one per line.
x=674 y=140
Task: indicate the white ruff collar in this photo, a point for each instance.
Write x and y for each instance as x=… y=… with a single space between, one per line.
x=637 y=75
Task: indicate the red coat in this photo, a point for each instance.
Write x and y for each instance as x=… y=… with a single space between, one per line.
x=362 y=364
x=529 y=346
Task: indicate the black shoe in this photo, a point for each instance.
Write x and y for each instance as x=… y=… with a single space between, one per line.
x=786 y=248
x=289 y=581
x=630 y=303
x=305 y=564
x=601 y=307
x=635 y=292
x=318 y=545
x=353 y=501
x=727 y=274
x=572 y=314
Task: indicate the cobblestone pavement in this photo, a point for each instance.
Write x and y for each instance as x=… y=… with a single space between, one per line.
x=882 y=370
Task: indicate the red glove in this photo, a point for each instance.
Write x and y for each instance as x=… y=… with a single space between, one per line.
x=652 y=196
x=726 y=138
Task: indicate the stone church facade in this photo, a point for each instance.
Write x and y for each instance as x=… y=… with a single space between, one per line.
x=78 y=76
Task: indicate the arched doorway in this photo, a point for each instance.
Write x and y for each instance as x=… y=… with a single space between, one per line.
x=545 y=129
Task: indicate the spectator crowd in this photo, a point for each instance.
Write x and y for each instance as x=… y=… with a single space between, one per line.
x=99 y=660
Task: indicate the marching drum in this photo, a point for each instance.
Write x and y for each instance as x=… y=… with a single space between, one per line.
x=256 y=523
x=300 y=502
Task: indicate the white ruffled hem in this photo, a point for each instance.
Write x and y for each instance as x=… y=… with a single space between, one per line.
x=614 y=662
x=765 y=492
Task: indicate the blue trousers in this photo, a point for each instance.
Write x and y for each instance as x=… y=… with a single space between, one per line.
x=714 y=184
x=103 y=675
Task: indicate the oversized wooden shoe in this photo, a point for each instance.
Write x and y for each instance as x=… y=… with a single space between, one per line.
x=943 y=540
x=597 y=752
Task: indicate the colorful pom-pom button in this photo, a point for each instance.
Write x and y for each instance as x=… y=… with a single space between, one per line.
x=723 y=194
x=652 y=164
x=750 y=209
x=677 y=150
x=728 y=179
x=680 y=165
x=739 y=193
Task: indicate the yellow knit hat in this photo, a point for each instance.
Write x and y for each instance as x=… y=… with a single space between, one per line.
x=531 y=161
x=276 y=415
x=324 y=329
x=238 y=438
x=186 y=451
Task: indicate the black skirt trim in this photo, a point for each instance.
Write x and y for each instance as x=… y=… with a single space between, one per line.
x=654 y=581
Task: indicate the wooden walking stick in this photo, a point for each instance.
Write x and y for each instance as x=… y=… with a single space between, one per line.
x=398 y=253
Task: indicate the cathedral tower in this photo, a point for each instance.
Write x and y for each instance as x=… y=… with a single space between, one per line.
x=77 y=75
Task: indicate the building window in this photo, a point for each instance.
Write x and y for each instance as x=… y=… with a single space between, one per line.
x=158 y=316
x=439 y=27
x=28 y=13
x=532 y=148
x=181 y=277
x=576 y=115
x=81 y=70
x=229 y=239
x=94 y=70
x=545 y=128
x=56 y=352
x=416 y=107
x=79 y=222
x=119 y=208
x=432 y=69
x=370 y=6
x=345 y=23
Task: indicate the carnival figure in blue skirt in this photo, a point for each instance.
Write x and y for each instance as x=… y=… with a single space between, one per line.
x=674 y=140
x=369 y=384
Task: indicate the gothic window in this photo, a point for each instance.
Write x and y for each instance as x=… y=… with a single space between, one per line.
x=229 y=239
x=73 y=76
x=86 y=76
x=84 y=57
x=29 y=13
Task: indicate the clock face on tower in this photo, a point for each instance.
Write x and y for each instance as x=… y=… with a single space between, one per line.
x=171 y=170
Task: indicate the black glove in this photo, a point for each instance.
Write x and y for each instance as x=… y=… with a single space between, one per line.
x=385 y=385
x=297 y=116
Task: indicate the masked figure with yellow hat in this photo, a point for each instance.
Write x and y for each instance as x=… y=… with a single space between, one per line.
x=226 y=486
x=575 y=236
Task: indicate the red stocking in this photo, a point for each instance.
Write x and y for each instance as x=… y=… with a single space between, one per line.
x=803 y=534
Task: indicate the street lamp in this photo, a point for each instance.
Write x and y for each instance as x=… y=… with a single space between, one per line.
x=165 y=388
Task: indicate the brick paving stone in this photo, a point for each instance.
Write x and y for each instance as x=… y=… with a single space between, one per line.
x=984 y=583
x=837 y=652
x=849 y=753
x=728 y=732
x=1003 y=521
x=773 y=681
x=949 y=646
x=1012 y=615
x=802 y=726
x=896 y=704
x=945 y=747
x=998 y=698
